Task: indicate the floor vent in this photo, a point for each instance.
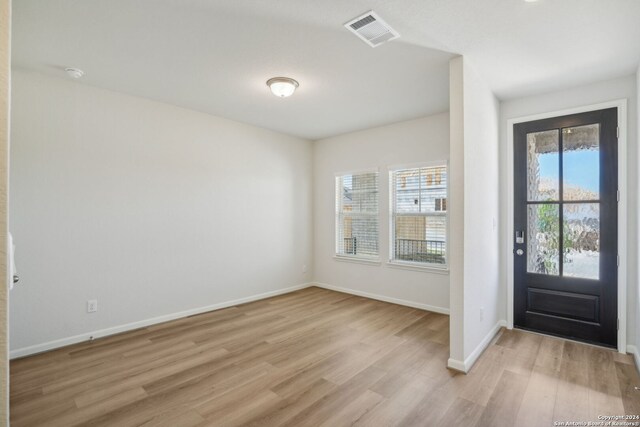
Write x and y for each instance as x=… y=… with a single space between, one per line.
x=371 y=29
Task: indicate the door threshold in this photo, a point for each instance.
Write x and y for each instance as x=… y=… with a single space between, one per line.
x=575 y=340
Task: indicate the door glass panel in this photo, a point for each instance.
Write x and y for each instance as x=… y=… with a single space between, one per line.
x=544 y=235
x=581 y=162
x=543 y=165
x=581 y=240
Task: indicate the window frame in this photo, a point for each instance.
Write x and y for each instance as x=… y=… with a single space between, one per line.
x=364 y=259
x=416 y=265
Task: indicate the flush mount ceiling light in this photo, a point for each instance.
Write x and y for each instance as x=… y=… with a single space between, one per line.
x=76 y=73
x=282 y=86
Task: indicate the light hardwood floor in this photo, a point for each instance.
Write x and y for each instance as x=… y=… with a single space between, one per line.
x=317 y=358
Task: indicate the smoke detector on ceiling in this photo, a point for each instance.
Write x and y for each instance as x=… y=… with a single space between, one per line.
x=75 y=73
x=372 y=29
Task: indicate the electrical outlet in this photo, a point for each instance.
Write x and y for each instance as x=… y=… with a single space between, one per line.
x=92 y=306
x=481 y=314
x=304 y=268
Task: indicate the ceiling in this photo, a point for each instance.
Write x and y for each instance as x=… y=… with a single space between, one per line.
x=215 y=56
x=530 y=48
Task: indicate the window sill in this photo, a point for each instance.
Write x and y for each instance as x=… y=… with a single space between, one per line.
x=356 y=260
x=419 y=267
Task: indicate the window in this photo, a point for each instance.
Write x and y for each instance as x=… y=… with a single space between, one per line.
x=419 y=215
x=357 y=215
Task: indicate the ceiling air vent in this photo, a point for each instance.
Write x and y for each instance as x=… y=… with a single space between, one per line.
x=372 y=29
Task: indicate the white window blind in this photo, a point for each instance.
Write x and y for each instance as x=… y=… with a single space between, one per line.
x=357 y=215
x=419 y=214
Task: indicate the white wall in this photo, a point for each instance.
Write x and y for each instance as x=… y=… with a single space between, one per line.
x=622 y=88
x=456 y=210
x=475 y=212
x=636 y=341
x=481 y=213
x=420 y=140
x=5 y=79
x=150 y=208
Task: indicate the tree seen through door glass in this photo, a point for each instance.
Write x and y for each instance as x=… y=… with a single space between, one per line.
x=543 y=245
x=543 y=184
x=543 y=166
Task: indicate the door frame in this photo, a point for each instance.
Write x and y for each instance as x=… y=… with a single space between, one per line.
x=621 y=105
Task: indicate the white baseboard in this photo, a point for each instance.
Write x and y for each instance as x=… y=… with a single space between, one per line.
x=392 y=300
x=466 y=365
x=633 y=350
x=39 y=348
x=456 y=365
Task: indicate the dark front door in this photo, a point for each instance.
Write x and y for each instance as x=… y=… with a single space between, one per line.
x=565 y=237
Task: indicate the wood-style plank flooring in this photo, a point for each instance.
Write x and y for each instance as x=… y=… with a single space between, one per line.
x=317 y=358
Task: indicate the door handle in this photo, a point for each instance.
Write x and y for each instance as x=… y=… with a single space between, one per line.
x=519 y=252
x=519 y=237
